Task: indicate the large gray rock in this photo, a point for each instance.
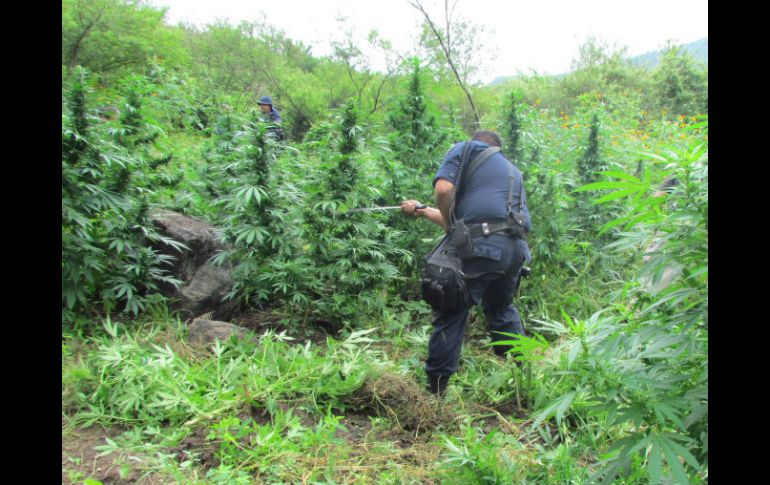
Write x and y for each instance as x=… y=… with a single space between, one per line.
x=205 y=290
x=200 y=237
x=203 y=285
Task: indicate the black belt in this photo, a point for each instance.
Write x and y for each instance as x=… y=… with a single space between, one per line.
x=487 y=228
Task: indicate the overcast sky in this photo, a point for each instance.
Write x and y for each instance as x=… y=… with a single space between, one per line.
x=524 y=35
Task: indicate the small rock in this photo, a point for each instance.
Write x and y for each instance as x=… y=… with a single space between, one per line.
x=208 y=331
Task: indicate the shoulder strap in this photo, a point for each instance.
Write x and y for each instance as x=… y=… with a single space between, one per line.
x=463 y=158
x=480 y=158
x=466 y=173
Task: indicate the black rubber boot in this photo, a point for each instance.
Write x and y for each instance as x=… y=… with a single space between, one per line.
x=501 y=350
x=437 y=384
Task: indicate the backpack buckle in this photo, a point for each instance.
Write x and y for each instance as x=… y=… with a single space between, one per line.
x=485 y=228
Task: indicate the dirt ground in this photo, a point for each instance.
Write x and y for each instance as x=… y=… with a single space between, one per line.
x=80 y=460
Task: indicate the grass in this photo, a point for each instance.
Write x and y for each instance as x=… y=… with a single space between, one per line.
x=140 y=403
x=282 y=411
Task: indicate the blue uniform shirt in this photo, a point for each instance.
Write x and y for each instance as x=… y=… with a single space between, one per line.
x=484 y=197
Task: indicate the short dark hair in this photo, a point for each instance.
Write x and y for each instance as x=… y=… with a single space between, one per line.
x=489 y=137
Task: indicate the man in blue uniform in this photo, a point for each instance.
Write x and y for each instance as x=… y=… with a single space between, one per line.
x=498 y=255
x=266 y=105
x=271 y=115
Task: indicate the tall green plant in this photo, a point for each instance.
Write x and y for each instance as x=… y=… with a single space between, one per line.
x=352 y=253
x=416 y=139
x=513 y=129
x=107 y=255
x=252 y=225
x=589 y=165
x=416 y=134
x=643 y=372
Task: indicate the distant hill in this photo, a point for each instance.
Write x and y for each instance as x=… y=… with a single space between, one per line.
x=698 y=49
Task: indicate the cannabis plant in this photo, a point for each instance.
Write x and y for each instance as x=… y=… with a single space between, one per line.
x=589 y=165
x=353 y=253
x=252 y=218
x=108 y=243
x=513 y=130
x=640 y=372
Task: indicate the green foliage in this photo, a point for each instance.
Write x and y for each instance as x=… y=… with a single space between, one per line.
x=130 y=379
x=680 y=83
x=106 y=234
x=353 y=253
x=418 y=142
x=108 y=36
x=512 y=130
x=615 y=389
x=590 y=163
x=252 y=221
x=644 y=371
x=590 y=216
x=416 y=135
x=481 y=458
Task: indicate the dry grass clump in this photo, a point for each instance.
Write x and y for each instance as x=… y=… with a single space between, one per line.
x=401 y=400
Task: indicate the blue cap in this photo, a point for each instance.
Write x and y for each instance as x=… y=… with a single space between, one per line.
x=265 y=100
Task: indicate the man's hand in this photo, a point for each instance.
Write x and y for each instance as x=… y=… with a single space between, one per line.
x=410 y=208
x=415 y=209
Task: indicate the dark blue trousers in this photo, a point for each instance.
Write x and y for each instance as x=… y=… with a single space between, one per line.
x=497 y=266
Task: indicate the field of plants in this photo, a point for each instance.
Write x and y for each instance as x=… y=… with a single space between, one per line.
x=609 y=386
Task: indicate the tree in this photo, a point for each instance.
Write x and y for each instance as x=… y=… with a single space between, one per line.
x=602 y=70
x=109 y=35
x=680 y=84
x=367 y=84
x=458 y=46
x=241 y=63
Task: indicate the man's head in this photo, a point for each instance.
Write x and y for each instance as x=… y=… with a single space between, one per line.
x=489 y=137
x=265 y=104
